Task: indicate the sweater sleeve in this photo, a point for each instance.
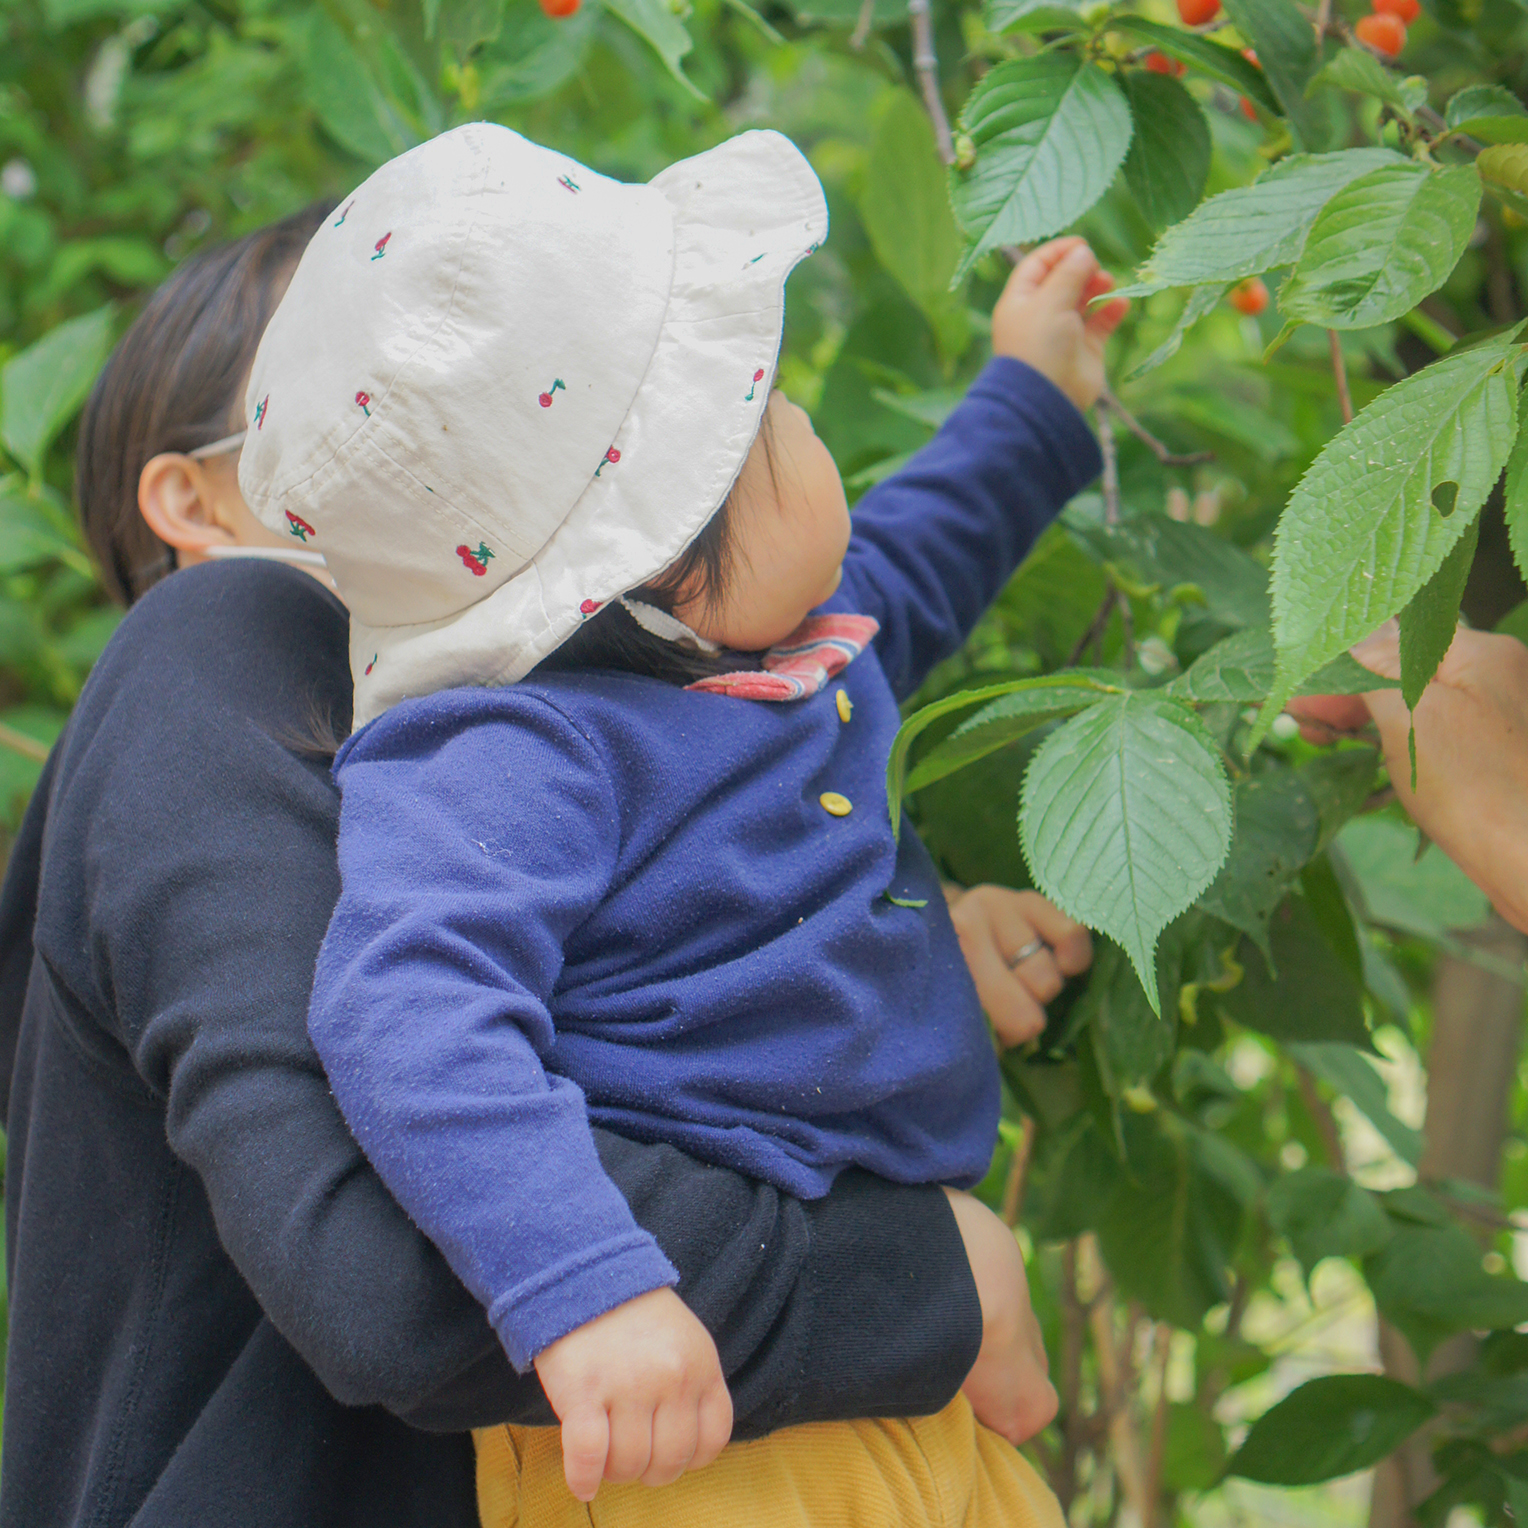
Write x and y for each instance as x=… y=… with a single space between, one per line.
x=934 y=544
x=471 y=844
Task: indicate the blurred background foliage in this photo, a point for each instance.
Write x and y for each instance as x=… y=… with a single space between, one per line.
x=1215 y=1221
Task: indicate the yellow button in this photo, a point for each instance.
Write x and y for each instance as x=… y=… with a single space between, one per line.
x=845 y=706
x=839 y=806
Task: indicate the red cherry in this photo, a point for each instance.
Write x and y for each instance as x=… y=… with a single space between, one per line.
x=588 y=607
x=612 y=455
x=559 y=8
x=1194 y=13
x=1407 y=10
x=545 y=400
x=1248 y=110
x=1249 y=297
x=1160 y=63
x=1383 y=32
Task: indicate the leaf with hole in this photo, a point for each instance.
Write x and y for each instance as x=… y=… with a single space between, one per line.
x=1125 y=818
x=1049 y=132
x=1006 y=720
x=1332 y=1426
x=43 y=386
x=1381 y=244
x=1169 y=156
x=1361 y=532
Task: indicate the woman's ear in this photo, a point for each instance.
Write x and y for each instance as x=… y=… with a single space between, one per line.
x=181 y=504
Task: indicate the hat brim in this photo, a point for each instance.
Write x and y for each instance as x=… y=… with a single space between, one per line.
x=744 y=214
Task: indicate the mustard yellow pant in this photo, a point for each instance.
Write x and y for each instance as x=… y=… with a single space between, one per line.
x=944 y=1471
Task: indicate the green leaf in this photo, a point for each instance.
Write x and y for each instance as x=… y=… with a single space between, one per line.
x=465 y=25
x=1339 y=783
x=1240 y=669
x=1131 y=1042
x=1169 y=156
x=1489 y=114
x=1251 y=229
x=1358 y=69
x=656 y=24
x=920 y=721
x=1516 y=498
x=1331 y=1426
x=1125 y=817
x=1006 y=720
x=1050 y=133
x=1031 y=15
x=905 y=208
x=349 y=103
x=1163 y=551
x=43 y=386
x=1427 y=1280
x=1381 y=245
x=1429 y=622
x=845 y=13
x=1203 y=54
x=1505 y=165
x=1195 y=1456
x=1201 y=300
x=1315 y=996
x=1169 y=1228
x=29 y=537
x=533 y=54
x=1426 y=897
x=1286 y=53
x=1360 y=534
x=1325 y=1214
x=1350 y=1074
x=1276 y=833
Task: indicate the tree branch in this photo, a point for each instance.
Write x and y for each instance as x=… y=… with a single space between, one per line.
x=1157 y=1458
x=1340 y=373
x=861 y=33
x=926 y=67
x=1018 y=1174
x=1325 y=1120
x=1158 y=448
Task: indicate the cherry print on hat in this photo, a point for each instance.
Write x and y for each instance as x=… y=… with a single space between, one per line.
x=370 y=666
x=612 y=456
x=545 y=399
x=363 y=399
x=299 y=527
x=346 y=213
x=478 y=560
x=381 y=245
x=260 y=412
x=758 y=377
x=588 y=607
x=569 y=182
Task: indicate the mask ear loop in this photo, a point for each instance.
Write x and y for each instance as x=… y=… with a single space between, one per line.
x=218 y=447
x=661 y=624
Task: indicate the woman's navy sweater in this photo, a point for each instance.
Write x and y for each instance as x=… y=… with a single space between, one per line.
x=218 y=1316
x=596 y=896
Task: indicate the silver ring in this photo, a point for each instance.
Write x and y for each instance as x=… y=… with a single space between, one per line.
x=1031 y=949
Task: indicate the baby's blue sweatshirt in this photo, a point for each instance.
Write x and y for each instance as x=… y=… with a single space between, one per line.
x=597 y=896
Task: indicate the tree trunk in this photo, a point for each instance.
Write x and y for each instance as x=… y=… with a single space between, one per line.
x=1471 y=1064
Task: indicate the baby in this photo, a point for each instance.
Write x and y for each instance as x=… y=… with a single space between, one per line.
x=614 y=836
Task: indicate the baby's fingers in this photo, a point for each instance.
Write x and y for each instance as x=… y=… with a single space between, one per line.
x=676 y=1432
x=631 y=1442
x=1032 y=270
x=715 y=1430
x=585 y=1446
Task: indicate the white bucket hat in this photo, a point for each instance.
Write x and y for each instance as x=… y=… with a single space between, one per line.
x=502 y=389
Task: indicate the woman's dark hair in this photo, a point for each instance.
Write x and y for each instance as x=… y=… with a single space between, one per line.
x=173 y=384
x=612 y=639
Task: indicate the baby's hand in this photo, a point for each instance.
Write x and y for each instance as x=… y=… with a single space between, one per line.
x=640 y=1395
x=1009 y=1386
x=1043 y=317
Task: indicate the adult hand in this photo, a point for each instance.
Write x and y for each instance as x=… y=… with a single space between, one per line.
x=1472 y=753
x=1044 y=319
x=1009 y=1386
x=994 y=924
x=640 y=1395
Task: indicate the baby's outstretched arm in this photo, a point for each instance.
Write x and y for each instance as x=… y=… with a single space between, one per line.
x=1043 y=317
x=640 y=1395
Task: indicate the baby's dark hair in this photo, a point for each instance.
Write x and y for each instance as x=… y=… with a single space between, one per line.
x=612 y=639
x=172 y=384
